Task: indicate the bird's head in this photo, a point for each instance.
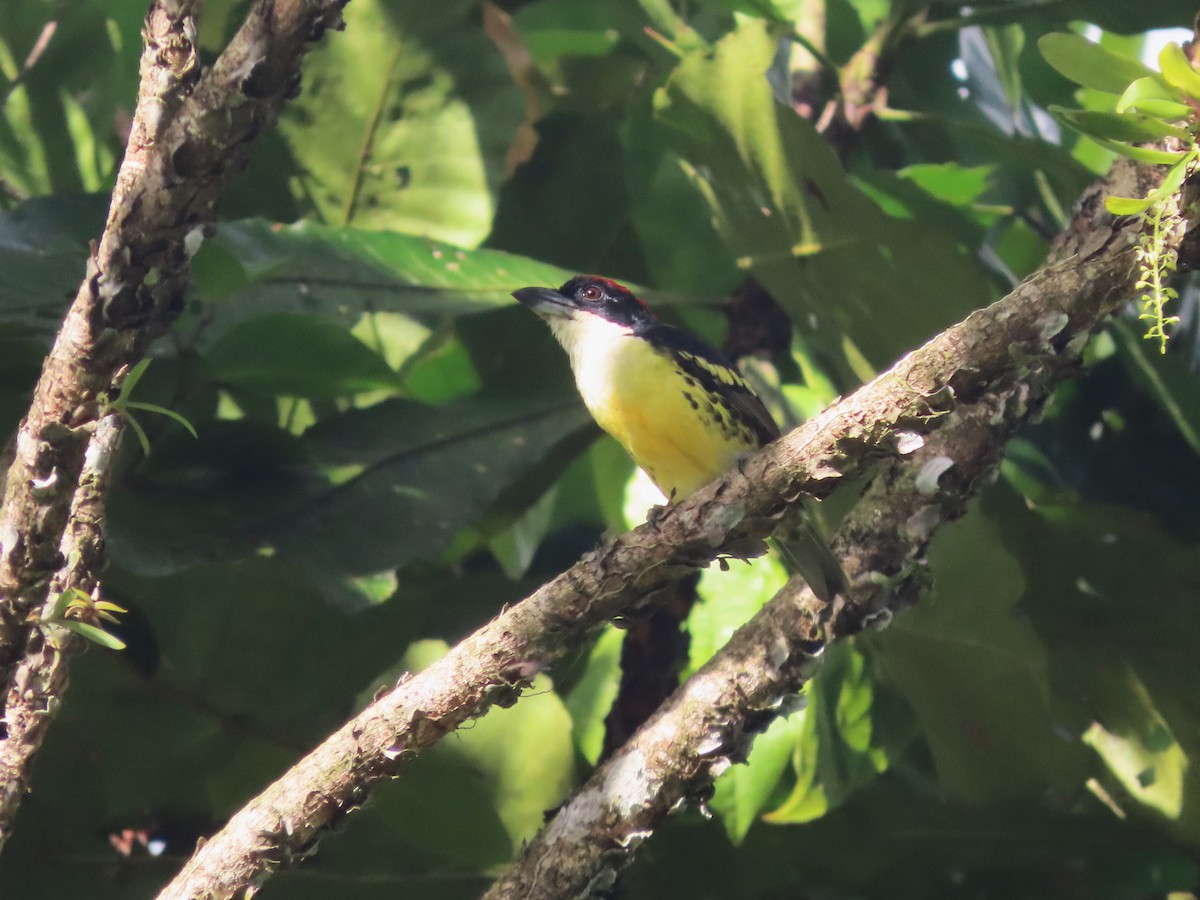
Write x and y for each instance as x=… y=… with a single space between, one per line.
x=584 y=298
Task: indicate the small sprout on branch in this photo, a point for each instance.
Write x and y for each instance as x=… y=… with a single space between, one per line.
x=84 y=614
x=122 y=406
x=1157 y=263
x=1153 y=107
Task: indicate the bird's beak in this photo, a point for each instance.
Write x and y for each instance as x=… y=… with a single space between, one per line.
x=546 y=302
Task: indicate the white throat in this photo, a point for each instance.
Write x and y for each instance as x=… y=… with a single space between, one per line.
x=590 y=341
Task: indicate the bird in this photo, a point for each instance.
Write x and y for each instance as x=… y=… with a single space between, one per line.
x=676 y=405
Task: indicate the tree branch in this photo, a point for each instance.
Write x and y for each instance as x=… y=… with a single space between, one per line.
x=711 y=720
x=1030 y=338
x=41 y=675
x=191 y=133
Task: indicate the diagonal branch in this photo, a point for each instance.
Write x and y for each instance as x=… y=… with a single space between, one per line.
x=192 y=132
x=711 y=719
x=1029 y=339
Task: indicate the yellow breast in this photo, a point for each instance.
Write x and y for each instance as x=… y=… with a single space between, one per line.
x=667 y=422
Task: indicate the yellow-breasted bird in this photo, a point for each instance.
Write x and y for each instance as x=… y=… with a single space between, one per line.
x=676 y=405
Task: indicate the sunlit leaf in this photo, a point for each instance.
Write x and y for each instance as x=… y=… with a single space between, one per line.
x=1152 y=96
x=93 y=633
x=405 y=120
x=1140 y=750
x=745 y=790
x=784 y=205
x=950 y=657
x=838 y=751
x=344 y=273
x=1126 y=127
x=1089 y=64
x=728 y=598
x=591 y=699
x=1177 y=70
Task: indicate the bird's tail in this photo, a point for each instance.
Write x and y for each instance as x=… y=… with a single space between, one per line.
x=807 y=554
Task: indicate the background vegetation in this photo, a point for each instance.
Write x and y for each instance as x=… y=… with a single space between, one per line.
x=389 y=450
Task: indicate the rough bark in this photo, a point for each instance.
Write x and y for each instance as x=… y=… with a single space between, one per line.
x=711 y=720
x=192 y=132
x=1022 y=343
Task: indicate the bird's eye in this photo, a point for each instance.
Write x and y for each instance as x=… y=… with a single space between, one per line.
x=591 y=292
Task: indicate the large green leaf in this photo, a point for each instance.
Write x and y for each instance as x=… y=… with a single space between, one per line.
x=405 y=121
x=253 y=267
x=570 y=203
x=342 y=273
x=976 y=675
x=407 y=478
x=745 y=790
x=729 y=597
x=1089 y=64
x=592 y=696
x=1095 y=576
x=792 y=217
x=1125 y=127
x=361 y=493
x=839 y=748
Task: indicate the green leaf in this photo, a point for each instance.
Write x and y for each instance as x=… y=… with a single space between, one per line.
x=297 y=356
x=1139 y=748
x=59 y=104
x=566 y=29
x=93 y=633
x=344 y=273
x=441 y=369
x=143 y=439
x=1004 y=44
x=975 y=673
x=132 y=378
x=838 y=752
x=1127 y=206
x=728 y=599
x=163 y=411
x=407 y=478
x=1126 y=127
x=951 y=182
x=43 y=249
x=61 y=602
x=1152 y=96
x=592 y=696
x=524 y=752
x=217 y=271
x=745 y=790
x=1130 y=702
x=405 y=120
x=796 y=222
x=1178 y=72
x=1089 y=64
x=1143 y=154
x=1172 y=181
x=515 y=546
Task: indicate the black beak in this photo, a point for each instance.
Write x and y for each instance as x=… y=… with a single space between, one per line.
x=545 y=301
